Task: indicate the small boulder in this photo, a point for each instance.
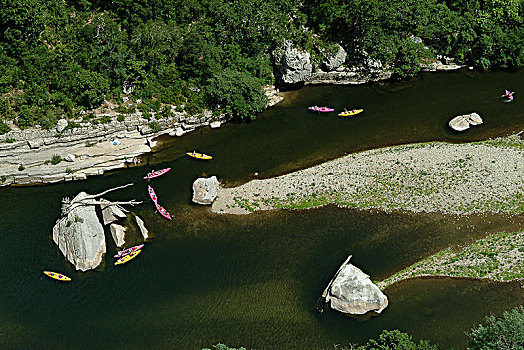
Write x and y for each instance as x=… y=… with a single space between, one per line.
x=335 y=59
x=70 y=158
x=61 y=125
x=110 y=213
x=205 y=190
x=118 y=232
x=142 y=228
x=215 y=125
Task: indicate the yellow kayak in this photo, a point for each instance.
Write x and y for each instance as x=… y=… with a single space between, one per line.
x=128 y=257
x=57 y=276
x=350 y=113
x=198 y=155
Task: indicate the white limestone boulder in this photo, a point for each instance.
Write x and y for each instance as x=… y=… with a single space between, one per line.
x=205 y=190
x=352 y=292
x=80 y=235
x=141 y=226
x=118 y=232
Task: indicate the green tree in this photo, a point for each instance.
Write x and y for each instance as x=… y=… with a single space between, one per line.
x=4 y=128
x=396 y=340
x=238 y=93
x=506 y=332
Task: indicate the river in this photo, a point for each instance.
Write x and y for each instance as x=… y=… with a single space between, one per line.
x=254 y=280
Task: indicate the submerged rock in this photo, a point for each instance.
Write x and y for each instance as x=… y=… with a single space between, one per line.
x=205 y=190
x=80 y=235
x=352 y=292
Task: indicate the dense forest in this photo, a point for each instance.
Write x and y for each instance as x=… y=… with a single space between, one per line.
x=58 y=57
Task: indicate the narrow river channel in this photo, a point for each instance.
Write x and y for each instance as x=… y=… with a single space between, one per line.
x=254 y=280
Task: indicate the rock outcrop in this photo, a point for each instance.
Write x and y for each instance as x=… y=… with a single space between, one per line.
x=141 y=226
x=118 y=232
x=462 y=122
x=293 y=64
x=335 y=59
x=205 y=190
x=79 y=234
x=352 y=292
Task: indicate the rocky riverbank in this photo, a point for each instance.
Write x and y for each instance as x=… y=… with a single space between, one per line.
x=456 y=179
x=39 y=156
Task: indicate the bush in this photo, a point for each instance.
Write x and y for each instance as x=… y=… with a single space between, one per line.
x=4 y=128
x=69 y=170
x=155 y=126
x=56 y=159
x=10 y=140
x=21 y=167
x=121 y=117
x=3 y=178
x=504 y=333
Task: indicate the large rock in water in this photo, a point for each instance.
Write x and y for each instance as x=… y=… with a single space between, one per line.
x=352 y=292
x=462 y=122
x=205 y=190
x=142 y=227
x=118 y=232
x=80 y=235
x=294 y=65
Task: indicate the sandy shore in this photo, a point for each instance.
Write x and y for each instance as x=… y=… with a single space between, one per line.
x=457 y=179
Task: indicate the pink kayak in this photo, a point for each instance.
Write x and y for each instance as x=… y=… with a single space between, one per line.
x=162 y=211
x=128 y=251
x=321 y=109
x=157 y=173
x=152 y=194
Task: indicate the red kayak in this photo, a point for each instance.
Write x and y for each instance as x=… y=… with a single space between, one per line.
x=152 y=194
x=157 y=173
x=128 y=251
x=162 y=211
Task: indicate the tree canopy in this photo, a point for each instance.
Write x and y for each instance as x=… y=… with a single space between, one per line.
x=57 y=57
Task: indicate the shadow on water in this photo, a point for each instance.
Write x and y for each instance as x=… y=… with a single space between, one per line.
x=254 y=280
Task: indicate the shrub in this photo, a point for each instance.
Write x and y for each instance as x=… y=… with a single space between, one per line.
x=56 y=159
x=121 y=117
x=4 y=128
x=3 y=178
x=10 y=140
x=155 y=126
x=21 y=167
x=69 y=170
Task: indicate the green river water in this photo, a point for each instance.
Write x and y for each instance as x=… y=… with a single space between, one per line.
x=254 y=280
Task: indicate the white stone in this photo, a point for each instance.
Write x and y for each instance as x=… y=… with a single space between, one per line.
x=142 y=228
x=61 y=125
x=80 y=236
x=215 y=124
x=110 y=213
x=70 y=158
x=352 y=292
x=118 y=232
x=205 y=190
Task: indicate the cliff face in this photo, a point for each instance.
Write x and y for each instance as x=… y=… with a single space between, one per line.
x=80 y=235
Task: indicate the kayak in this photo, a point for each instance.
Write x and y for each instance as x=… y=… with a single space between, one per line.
x=128 y=251
x=127 y=257
x=152 y=194
x=350 y=113
x=163 y=211
x=321 y=109
x=198 y=155
x=57 y=276
x=157 y=173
